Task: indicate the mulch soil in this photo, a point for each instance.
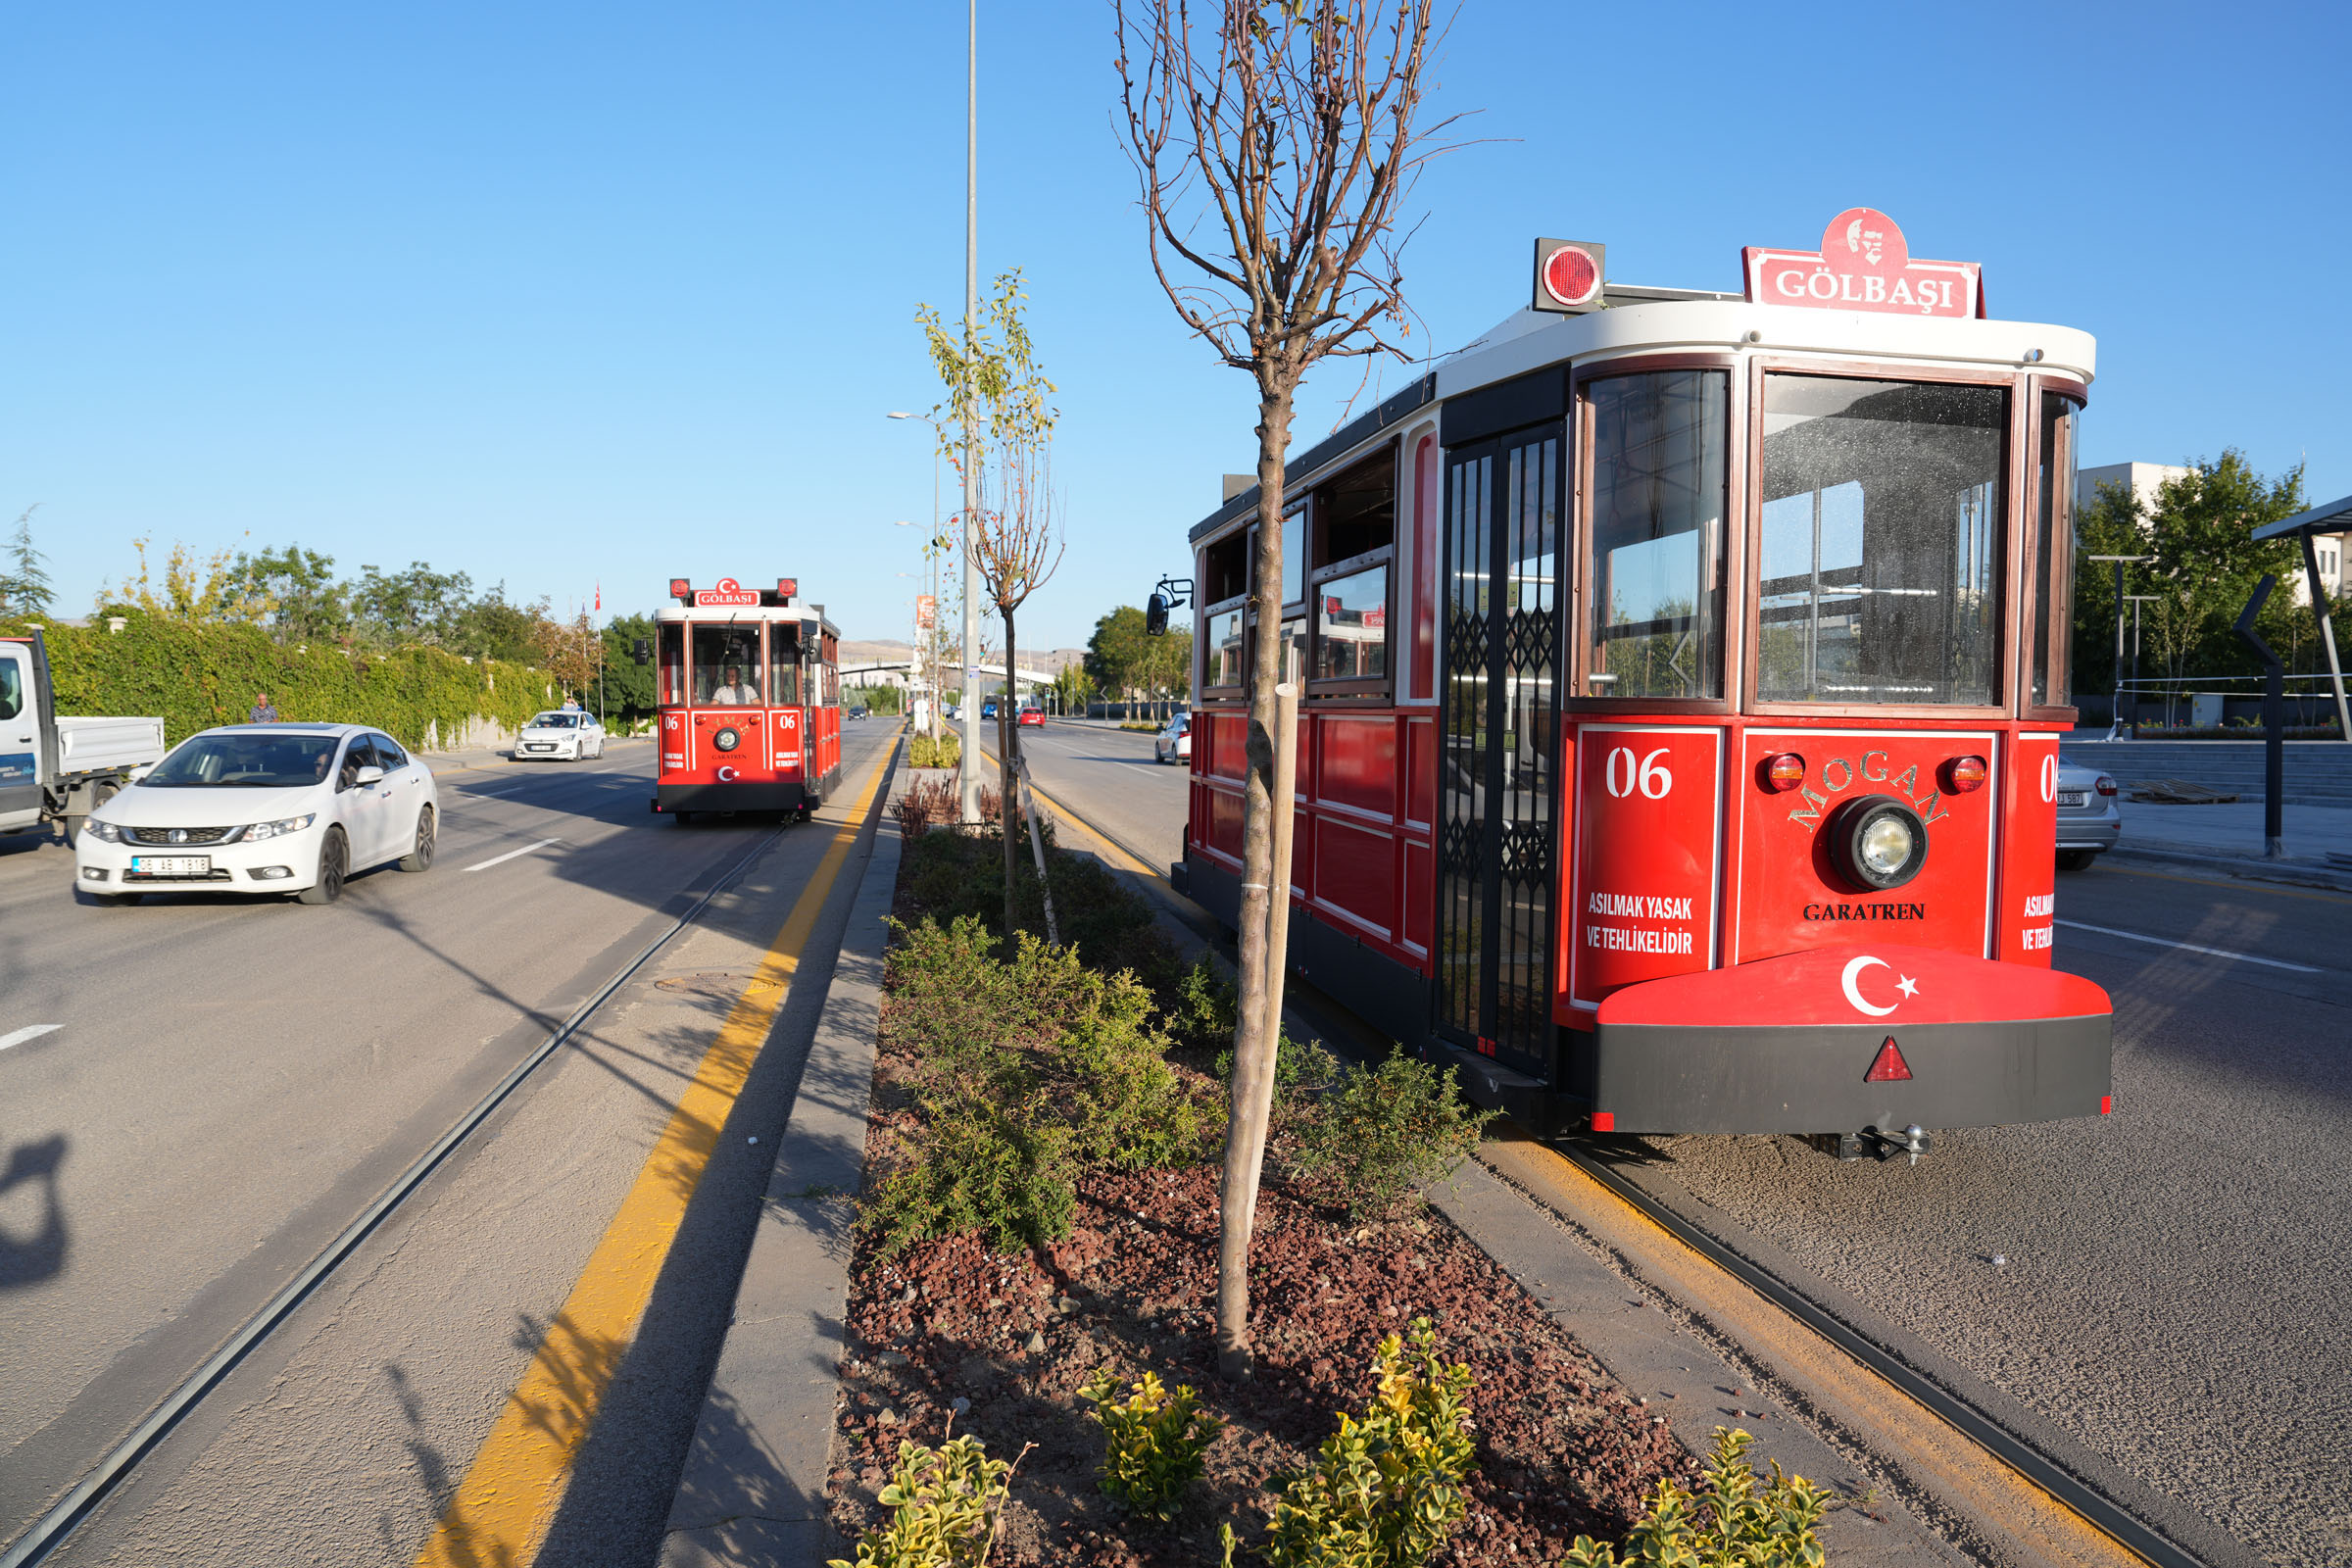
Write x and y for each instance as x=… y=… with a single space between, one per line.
x=951 y=1332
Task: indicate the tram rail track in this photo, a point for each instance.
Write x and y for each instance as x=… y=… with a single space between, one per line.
x=54 y=1527
x=2101 y=1513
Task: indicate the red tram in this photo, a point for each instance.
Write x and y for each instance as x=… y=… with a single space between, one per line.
x=1683 y=680
x=749 y=686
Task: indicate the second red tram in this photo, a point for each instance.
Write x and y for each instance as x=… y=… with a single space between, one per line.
x=1683 y=676
x=749 y=686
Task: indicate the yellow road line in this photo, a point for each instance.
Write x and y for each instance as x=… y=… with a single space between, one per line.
x=500 y=1510
x=1949 y=1463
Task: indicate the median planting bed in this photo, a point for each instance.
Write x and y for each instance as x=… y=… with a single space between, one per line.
x=1041 y=1207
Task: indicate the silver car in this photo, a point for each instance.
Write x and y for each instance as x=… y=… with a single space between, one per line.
x=2090 y=819
x=1174 y=742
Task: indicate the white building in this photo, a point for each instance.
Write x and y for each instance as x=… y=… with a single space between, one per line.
x=2144 y=479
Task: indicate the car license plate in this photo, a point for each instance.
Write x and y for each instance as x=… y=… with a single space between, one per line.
x=536 y=747
x=2073 y=797
x=172 y=864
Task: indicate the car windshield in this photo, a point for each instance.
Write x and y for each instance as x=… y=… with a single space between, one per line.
x=556 y=721
x=251 y=761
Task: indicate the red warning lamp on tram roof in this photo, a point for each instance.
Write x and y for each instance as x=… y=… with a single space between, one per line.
x=682 y=589
x=787 y=587
x=1568 y=275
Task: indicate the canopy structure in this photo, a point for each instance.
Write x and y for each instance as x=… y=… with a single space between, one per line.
x=2333 y=517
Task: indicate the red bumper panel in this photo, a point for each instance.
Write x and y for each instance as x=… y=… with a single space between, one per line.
x=1798 y=1044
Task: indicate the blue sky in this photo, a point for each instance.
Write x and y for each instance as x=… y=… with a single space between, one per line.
x=560 y=294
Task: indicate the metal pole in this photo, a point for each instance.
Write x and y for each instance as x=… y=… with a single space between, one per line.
x=967 y=771
x=2320 y=608
x=2115 y=728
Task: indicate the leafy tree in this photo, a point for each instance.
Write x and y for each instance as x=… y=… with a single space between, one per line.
x=418 y=605
x=493 y=627
x=308 y=605
x=201 y=590
x=629 y=685
x=1118 y=652
x=2200 y=532
x=1073 y=688
x=24 y=585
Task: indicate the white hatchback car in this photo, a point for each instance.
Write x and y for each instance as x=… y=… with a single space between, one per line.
x=566 y=732
x=267 y=809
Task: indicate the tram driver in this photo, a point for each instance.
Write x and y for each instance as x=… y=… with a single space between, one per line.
x=735 y=691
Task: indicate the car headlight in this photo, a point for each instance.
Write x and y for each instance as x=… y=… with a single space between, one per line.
x=280 y=828
x=103 y=832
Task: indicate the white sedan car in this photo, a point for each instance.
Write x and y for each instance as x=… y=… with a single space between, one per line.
x=267 y=809
x=566 y=732
x=1174 y=742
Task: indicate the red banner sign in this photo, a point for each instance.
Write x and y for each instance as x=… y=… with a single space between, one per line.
x=926 y=612
x=728 y=592
x=1863 y=265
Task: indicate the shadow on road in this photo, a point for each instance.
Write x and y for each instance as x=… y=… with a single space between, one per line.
x=28 y=1258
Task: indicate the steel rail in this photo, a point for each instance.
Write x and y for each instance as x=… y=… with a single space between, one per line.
x=2102 y=1512
x=50 y=1529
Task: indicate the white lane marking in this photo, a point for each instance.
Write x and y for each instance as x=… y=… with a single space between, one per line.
x=488 y=795
x=32 y=1031
x=501 y=859
x=2190 y=947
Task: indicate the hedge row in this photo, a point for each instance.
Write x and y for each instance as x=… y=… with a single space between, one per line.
x=198 y=675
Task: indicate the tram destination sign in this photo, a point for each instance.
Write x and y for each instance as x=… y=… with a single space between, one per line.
x=1864 y=263
x=728 y=592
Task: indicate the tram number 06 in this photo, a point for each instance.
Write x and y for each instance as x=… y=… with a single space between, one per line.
x=1624 y=775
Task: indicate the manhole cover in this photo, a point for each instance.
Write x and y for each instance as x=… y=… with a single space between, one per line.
x=721 y=985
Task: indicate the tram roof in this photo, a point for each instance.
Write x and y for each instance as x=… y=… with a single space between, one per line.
x=1654 y=320
x=742 y=614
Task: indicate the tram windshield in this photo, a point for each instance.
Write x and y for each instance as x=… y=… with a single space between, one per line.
x=726 y=666
x=1883 y=541
x=784 y=663
x=1657 y=535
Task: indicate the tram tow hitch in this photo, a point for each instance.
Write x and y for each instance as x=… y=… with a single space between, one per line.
x=1884 y=1146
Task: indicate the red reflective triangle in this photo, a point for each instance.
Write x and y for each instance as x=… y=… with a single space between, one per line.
x=1889 y=1065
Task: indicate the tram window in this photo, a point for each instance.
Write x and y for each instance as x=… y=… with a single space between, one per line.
x=1657 y=564
x=672 y=663
x=1881 y=544
x=1352 y=627
x=1294 y=551
x=784 y=664
x=1224 y=656
x=2054 y=549
x=1225 y=569
x=1355 y=513
x=726 y=666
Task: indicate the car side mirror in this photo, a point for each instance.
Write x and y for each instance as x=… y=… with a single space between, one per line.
x=643 y=652
x=369 y=775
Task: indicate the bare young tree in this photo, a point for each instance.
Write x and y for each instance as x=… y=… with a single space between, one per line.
x=1274 y=142
x=1016 y=550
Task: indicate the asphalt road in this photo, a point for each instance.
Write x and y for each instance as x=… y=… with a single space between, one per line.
x=231 y=1081
x=2171 y=1306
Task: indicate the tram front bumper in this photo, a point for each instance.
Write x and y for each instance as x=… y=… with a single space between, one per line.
x=740 y=794
x=1839 y=1039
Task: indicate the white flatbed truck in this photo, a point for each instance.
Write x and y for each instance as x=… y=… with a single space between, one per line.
x=60 y=770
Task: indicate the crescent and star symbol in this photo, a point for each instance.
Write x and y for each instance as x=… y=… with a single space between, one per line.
x=1853 y=993
x=729 y=775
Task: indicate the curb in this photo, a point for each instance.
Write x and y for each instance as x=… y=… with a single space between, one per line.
x=753 y=1489
x=2241 y=867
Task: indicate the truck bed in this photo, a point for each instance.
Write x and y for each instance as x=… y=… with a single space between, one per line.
x=106 y=744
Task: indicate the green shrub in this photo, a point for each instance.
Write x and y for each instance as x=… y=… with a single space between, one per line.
x=949 y=875
x=1154 y=1441
x=1386 y=1491
x=924 y=752
x=1026 y=1071
x=1382 y=1133
x=944 y=1505
x=1727 y=1521
x=1205 y=1008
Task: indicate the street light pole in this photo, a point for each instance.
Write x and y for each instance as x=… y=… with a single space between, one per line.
x=968 y=771
x=2115 y=722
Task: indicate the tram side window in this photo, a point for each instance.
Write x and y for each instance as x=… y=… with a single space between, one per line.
x=672 y=665
x=1655 y=568
x=1222 y=661
x=1352 y=548
x=784 y=664
x=1881 y=541
x=726 y=666
x=2054 y=550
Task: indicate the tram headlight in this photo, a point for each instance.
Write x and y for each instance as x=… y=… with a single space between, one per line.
x=726 y=740
x=1878 y=841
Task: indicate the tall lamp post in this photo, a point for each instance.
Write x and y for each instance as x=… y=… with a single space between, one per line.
x=2115 y=726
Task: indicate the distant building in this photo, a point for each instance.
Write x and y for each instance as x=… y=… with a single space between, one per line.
x=2144 y=479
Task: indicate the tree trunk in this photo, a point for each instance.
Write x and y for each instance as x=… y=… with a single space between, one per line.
x=1009 y=736
x=1256 y=1037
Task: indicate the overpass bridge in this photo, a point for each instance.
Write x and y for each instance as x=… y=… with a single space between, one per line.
x=904 y=669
